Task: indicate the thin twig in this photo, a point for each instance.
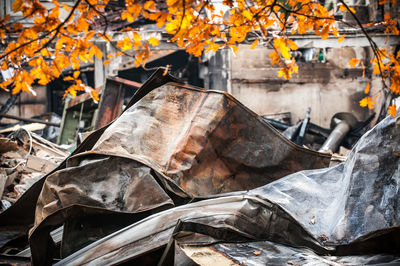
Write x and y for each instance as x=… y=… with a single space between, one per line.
x=374 y=46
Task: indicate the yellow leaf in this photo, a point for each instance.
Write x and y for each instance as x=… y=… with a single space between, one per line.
x=341 y=38
x=364 y=101
x=247 y=14
x=366 y=91
x=368 y=102
x=154 y=41
x=392 y=110
x=76 y=74
x=125 y=44
x=353 y=62
x=254 y=44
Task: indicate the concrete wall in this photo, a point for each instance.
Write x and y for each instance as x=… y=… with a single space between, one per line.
x=327 y=88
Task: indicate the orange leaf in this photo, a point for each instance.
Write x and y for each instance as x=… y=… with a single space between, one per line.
x=76 y=74
x=166 y=70
x=149 y=5
x=366 y=91
x=254 y=44
x=17 y=5
x=341 y=38
x=106 y=62
x=342 y=7
x=95 y=95
x=386 y=17
x=293 y=46
x=353 y=62
x=392 y=110
x=4 y=66
x=68 y=78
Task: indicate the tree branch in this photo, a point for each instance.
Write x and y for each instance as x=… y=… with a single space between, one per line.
x=374 y=46
x=57 y=29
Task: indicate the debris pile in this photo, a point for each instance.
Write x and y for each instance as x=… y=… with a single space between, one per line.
x=185 y=172
x=25 y=158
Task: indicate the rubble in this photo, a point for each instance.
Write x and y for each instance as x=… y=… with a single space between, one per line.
x=185 y=173
x=25 y=158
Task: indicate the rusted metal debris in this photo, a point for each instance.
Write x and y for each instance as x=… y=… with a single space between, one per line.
x=184 y=166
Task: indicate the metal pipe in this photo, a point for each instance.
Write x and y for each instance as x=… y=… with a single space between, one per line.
x=31 y=120
x=335 y=138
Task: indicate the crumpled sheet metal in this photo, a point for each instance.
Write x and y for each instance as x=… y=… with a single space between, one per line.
x=113 y=183
x=205 y=141
x=229 y=218
x=353 y=199
x=349 y=209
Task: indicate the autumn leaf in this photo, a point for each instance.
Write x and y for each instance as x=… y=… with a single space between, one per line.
x=292 y=45
x=353 y=62
x=247 y=14
x=392 y=110
x=149 y=5
x=125 y=44
x=154 y=41
x=166 y=70
x=254 y=44
x=94 y=95
x=76 y=74
x=367 y=102
x=4 y=65
x=366 y=91
x=341 y=38
x=364 y=101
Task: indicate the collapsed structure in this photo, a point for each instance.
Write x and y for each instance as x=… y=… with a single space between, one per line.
x=183 y=169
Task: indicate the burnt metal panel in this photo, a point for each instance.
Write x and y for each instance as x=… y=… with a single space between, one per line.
x=112 y=99
x=350 y=211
